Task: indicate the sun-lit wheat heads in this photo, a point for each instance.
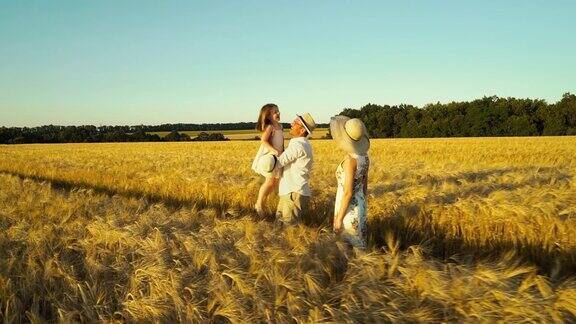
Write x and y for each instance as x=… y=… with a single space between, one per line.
x=464 y=229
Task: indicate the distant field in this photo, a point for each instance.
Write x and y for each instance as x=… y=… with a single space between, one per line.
x=462 y=230
x=244 y=134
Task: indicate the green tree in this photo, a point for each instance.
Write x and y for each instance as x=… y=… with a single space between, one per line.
x=520 y=126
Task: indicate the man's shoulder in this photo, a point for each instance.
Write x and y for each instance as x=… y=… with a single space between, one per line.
x=302 y=144
x=296 y=141
x=300 y=141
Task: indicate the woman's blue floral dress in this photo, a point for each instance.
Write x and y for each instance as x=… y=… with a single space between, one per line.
x=354 y=225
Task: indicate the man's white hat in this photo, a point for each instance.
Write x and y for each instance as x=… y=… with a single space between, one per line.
x=308 y=122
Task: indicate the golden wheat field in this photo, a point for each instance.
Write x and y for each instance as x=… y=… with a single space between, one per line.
x=461 y=230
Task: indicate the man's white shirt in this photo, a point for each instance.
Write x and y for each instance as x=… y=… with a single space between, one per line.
x=296 y=162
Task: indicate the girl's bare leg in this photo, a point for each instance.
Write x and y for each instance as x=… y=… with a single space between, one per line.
x=265 y=190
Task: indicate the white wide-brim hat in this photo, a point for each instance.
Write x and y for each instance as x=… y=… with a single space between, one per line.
x=267 y=164
x=350 y=134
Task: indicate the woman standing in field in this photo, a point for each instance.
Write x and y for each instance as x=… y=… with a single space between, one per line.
x=352 y=176
x=272 y=142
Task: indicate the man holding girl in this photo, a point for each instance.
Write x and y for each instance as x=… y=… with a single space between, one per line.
x=288 y=169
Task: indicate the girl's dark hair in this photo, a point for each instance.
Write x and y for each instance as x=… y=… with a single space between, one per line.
x=264 y=117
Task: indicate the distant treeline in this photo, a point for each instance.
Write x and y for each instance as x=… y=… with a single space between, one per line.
x=93 y=134
x=204 y=127
x=125 y=133
x=195 y=127
x=489 y=116
x=139 y=133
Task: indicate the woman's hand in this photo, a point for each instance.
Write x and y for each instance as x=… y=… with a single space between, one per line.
x=275 y=152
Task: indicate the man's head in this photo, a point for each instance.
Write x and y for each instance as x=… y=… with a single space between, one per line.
x=302 y=126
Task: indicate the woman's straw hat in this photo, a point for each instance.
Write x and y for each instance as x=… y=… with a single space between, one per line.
x=350 y=134
x=266 y=164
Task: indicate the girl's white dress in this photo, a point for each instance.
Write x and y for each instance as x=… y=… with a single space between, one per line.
x=277 y=142
x=355 y=229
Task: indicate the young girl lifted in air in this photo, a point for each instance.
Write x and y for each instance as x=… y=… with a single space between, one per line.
x=272 y=142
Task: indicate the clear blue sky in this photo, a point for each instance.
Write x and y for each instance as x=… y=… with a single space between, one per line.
x=150 y=62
